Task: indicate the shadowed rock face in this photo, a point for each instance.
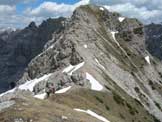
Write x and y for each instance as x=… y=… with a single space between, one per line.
x=17 y=48
x=154 y=39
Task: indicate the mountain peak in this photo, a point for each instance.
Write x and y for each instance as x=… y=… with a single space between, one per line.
x=32 y=25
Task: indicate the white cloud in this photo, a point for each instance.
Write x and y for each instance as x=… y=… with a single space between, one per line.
x=147 y=3
x=141 y=13
x=145 y=10
x=14 y=2
x=10 y=18
x=6 y=9
x=52 y=9
x=18 y=21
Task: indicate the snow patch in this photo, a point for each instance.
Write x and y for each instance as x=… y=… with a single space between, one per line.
x=95 y=85
x=85 y=46
x=100 y=65
x=7 y=92
x=93 y=114
x=113 y=35
x=121 y=19
x=107 y=7
x=41 y=96
x=51 y=47
x=64 y=117
x=101 y=8
x=29 y=85
x=63 y=90
x=147 y=58
x=77 y=67
x=70 y=69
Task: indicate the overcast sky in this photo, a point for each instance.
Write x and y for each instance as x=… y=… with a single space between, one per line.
x=19 y=13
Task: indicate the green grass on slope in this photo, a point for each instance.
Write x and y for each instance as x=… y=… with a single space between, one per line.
x=110 y=105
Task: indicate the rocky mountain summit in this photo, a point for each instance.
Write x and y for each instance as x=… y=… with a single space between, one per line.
x=101 y=70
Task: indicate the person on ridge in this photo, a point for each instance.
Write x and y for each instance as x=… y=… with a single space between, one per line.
x=53 y=88
x=47 y=89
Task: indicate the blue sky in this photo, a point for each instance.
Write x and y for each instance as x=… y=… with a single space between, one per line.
x=19 y=13
x=21 y=6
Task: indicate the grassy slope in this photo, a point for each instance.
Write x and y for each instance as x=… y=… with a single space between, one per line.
x=110 y=105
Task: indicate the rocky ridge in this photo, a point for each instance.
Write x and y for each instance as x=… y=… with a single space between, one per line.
x=96 y=47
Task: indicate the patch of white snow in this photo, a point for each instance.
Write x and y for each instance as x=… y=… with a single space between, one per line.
x=101 y=8
x=85 y=46
x=99 y=64
x=77 y=67
x=121 y=19
x=41 y=96
x=107 y=7
x=95 y=85
x=113 y=35
x=29 y=85
x=63 y=90
x=7 y=92
x=70 y=69
x=51 y=47
x=64 y=117
x=93 y=114
x=147 y=58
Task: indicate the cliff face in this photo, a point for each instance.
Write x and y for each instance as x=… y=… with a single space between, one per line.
x=101 y=57
x=154 y=39
x=19 y=47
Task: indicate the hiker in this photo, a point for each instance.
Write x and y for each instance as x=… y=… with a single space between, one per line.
x=53 y=88
x=47 y=89
x=61 y=83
